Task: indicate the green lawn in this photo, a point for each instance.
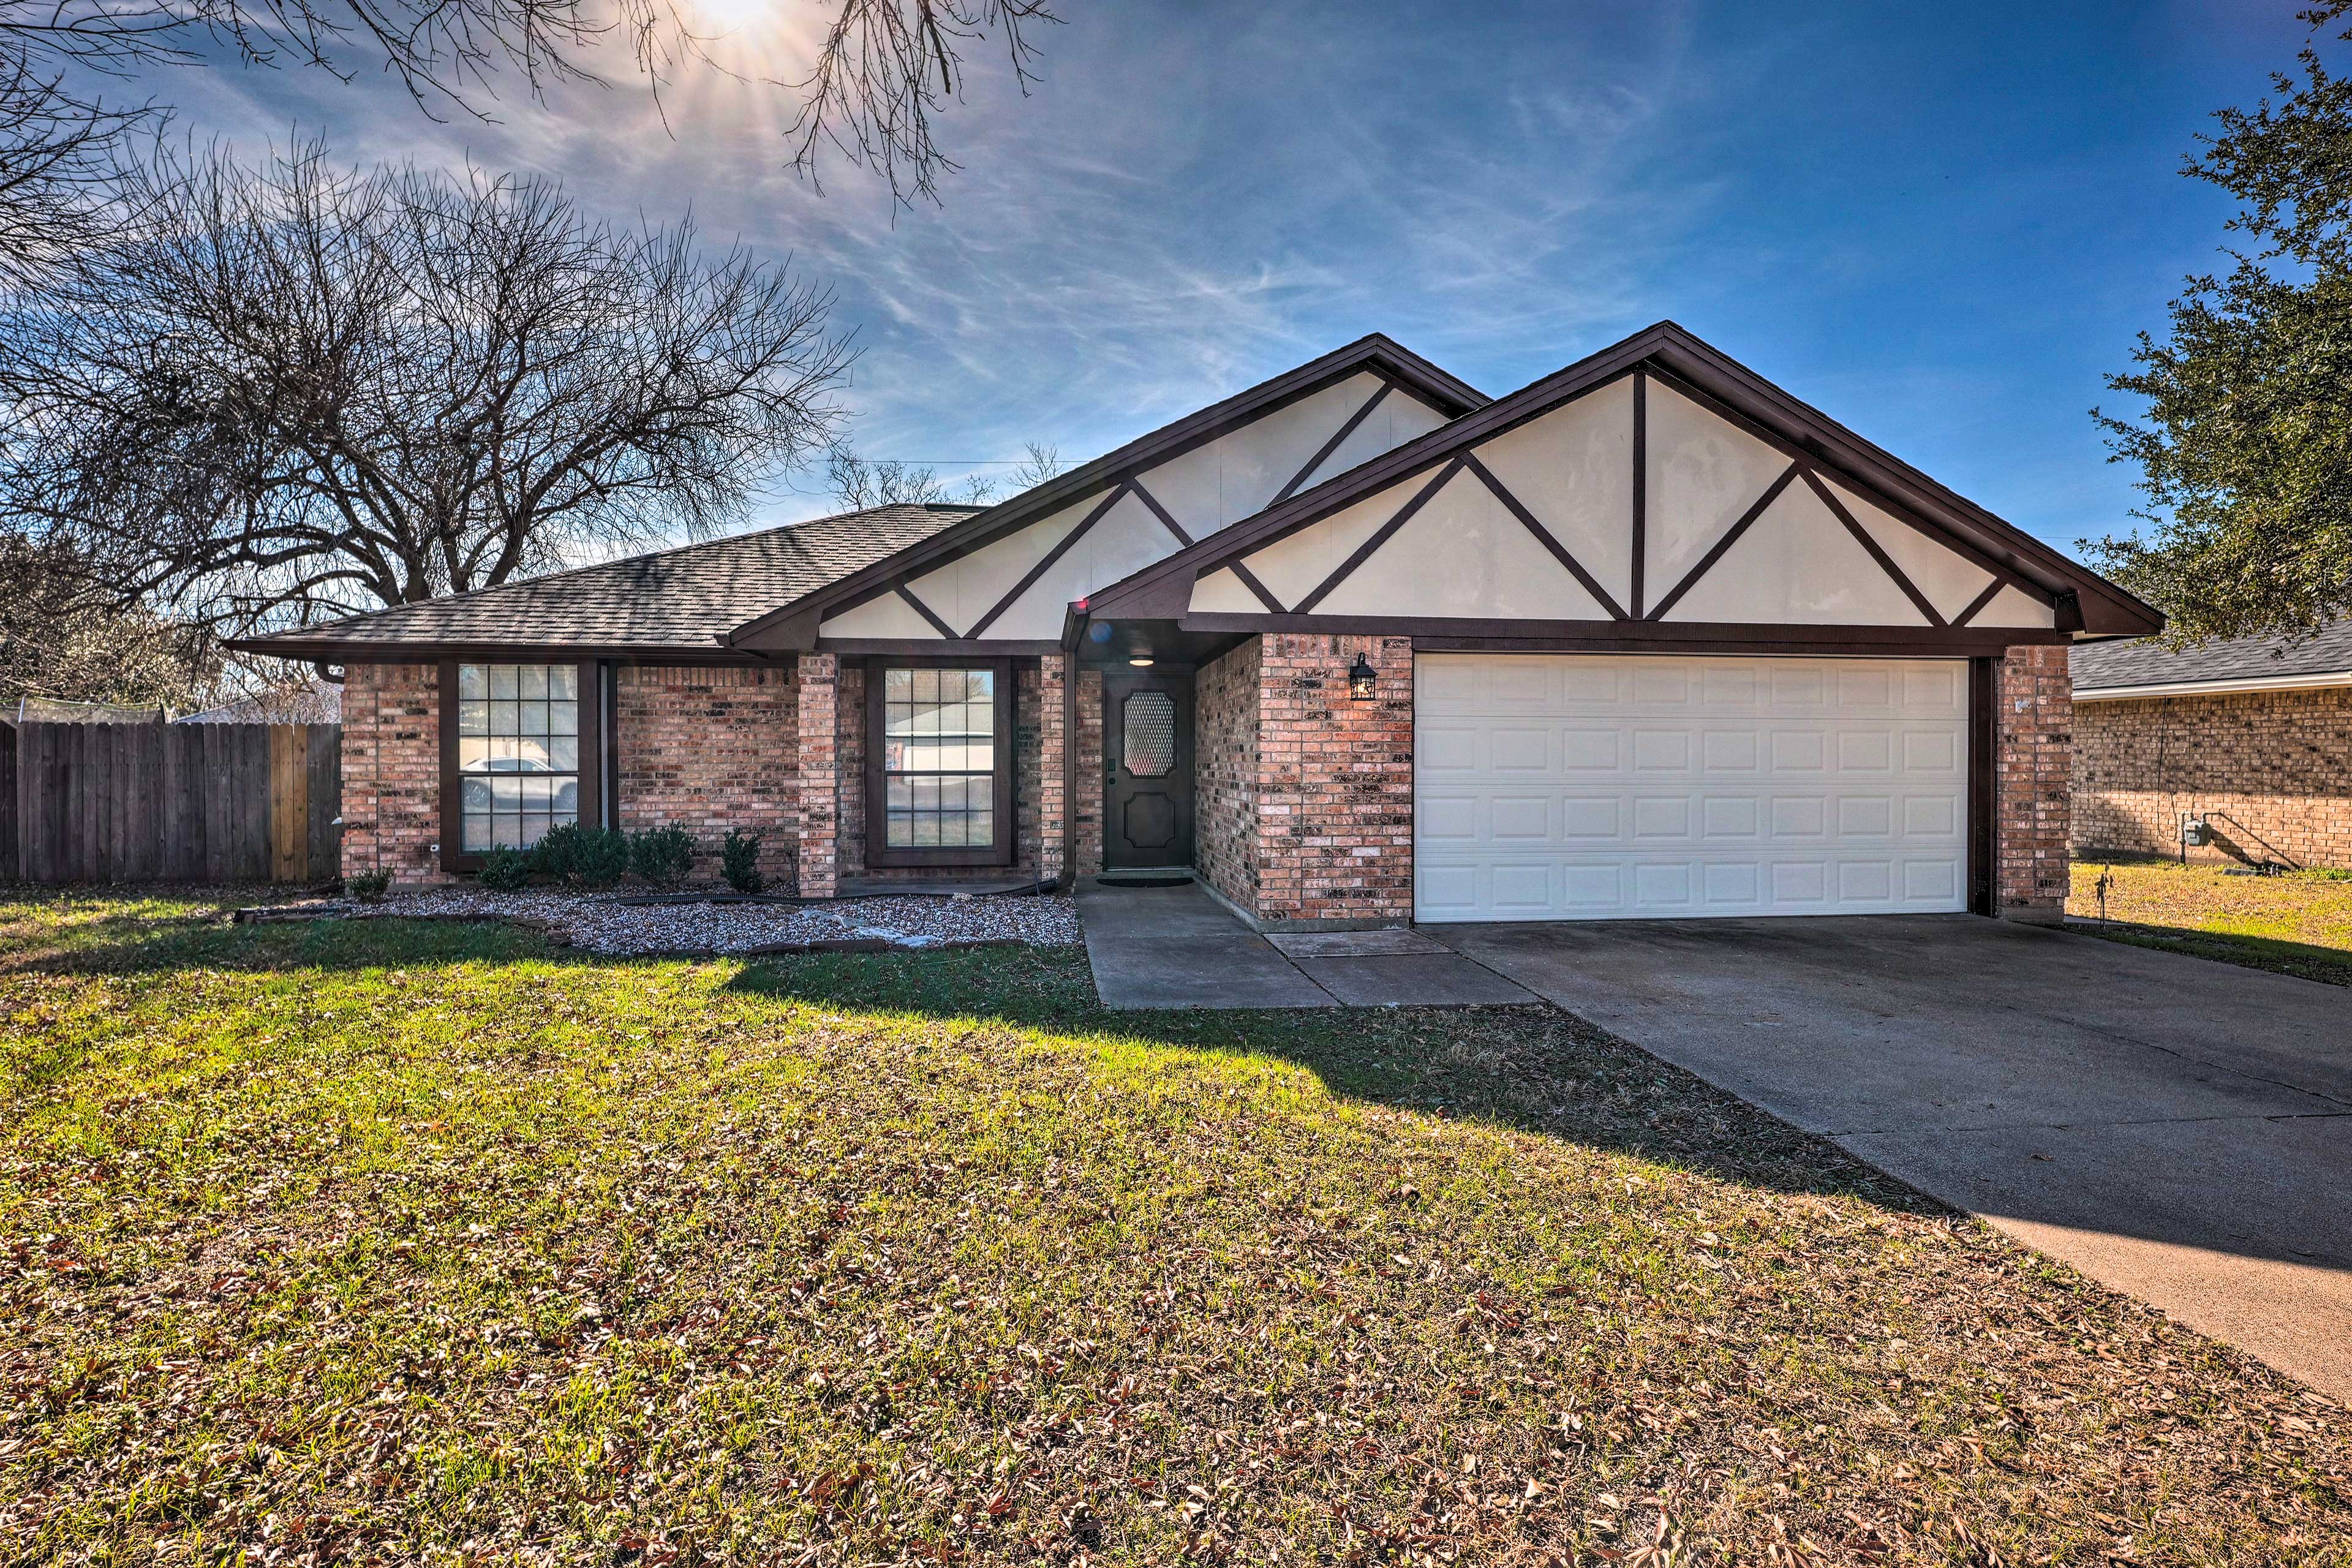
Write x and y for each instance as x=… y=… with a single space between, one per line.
x=2296 y=923
x=427 y=1243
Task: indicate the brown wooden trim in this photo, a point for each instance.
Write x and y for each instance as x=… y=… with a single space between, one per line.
x=1249 y=580
x=1045 y=563
x=1821 y=454
x=1001 y=794
x=1347 y=428
x=590 y=742
x=609 y=742
x=1457 y=634
x=1637 y=592
x=1396 y=466
x=924 y=610
x=1992 y=591
x=1167 y=519
x=1543 y=535
x=962 y=649
x=1376 y=353
x=452 y=818
x=1877 y=551
x=509 y=653
x=1386 y=530
x=1716 y=550
x=1983 y=781
x=595 y=753
x=1683 y=363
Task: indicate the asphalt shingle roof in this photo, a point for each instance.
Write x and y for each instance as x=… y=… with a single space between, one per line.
x=685 y=598
x=2145 y=663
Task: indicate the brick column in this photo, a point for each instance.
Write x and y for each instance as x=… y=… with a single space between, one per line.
x=2033 y=756
x=1334 y=783
x=392 y=772
x=1053 y=757
x=819 y=683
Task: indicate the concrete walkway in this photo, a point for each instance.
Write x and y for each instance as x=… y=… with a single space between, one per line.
x=2176 y=1128
x=1177 y=947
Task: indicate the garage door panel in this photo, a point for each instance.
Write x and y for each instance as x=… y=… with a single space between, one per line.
x=1622 y=786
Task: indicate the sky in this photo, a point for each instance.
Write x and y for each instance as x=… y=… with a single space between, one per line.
x=1942 y=225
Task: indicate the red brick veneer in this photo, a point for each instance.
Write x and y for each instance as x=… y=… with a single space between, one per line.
x=392 y=771
x=2271 y=771
x=2034 y=701
x=709 y=748
x=1335 y=781
x=1225 y=773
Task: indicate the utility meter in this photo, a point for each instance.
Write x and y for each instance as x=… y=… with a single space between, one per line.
x=2194 y=834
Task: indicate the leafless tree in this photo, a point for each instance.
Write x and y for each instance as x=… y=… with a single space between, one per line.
x=886 y=71
x=289 y=392
x=888 y=68
x=1042 y=463
x=857 y=482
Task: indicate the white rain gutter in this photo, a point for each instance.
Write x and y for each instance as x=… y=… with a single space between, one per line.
x=2315 y=682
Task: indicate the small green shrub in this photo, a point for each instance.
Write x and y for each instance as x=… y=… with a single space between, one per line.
x=505 y=870
x=581 y=855
x=662 y=856
x=367 y=885
x=739 y=861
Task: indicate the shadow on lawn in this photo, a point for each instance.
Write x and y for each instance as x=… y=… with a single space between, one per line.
x=2279 y=955
x=1534 y=1070
x=1531 y=1068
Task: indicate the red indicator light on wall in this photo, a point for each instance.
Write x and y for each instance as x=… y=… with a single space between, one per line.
x=1361 y=678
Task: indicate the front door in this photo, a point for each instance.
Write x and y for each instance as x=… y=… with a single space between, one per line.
x=1146 y=769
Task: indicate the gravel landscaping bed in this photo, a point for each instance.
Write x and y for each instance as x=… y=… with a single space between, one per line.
x=602 y=923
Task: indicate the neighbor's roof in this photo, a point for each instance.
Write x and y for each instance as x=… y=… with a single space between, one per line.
x=682 y=599
x=2142 y=668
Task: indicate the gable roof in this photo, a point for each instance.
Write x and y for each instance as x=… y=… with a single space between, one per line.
x=681 y=600
x=2252 y=663
x=1681 y=359
x=792 y=621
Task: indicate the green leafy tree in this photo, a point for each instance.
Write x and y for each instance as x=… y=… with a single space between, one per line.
x=2245 y=444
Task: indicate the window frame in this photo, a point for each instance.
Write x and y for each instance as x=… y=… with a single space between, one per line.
x=879 y=855
x=590 y=684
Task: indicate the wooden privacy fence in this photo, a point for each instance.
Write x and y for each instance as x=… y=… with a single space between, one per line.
x=197 y=802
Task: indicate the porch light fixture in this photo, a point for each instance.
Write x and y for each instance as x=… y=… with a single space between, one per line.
x=1363 y=679
x=1141 y=661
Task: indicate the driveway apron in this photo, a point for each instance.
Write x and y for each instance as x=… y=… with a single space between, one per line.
x=2174 y=1127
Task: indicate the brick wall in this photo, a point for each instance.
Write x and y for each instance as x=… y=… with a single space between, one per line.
x=2034 y=701
x=2271 y=771
x=819 y=716
x=1225 y=773
x=1335 y=781
x=1036 y=773
x=392 y=771
x=709 y=748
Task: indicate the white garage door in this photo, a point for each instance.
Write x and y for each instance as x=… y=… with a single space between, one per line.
x=1600 y=786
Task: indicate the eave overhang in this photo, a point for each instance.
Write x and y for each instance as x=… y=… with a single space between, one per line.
x=2082 y=601
x=793 y=628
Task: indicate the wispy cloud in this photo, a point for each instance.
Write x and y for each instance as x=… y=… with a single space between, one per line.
x=1906 y=222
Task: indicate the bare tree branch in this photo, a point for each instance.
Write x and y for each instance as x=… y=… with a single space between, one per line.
x=872 y=97
x=291 y=389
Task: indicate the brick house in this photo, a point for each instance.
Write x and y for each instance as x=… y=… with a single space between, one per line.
x=1358 y=645
x=2250 y=738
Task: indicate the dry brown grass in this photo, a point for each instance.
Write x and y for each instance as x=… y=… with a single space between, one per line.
x=401 y=1243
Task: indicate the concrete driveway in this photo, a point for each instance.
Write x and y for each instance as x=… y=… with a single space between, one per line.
x=2174 y=1127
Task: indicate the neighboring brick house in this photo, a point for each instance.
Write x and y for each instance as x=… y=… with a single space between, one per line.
x=1359 y=646
x=2248 y=738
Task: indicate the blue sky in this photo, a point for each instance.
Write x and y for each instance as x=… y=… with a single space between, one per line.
x=1942 y=224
